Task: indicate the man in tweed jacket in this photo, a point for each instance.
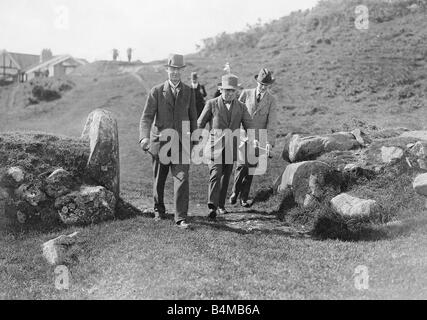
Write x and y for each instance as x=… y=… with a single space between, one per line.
x=261 y=105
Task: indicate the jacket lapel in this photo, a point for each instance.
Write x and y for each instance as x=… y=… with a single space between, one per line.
x=223 y=110
x=167 y=93
x=252 y=102
x=262 y=103
x=233 y=112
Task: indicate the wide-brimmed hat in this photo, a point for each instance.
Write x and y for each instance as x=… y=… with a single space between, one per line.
x=176 y=61
x=194 y=76
x=265 y=76
x=229 y=81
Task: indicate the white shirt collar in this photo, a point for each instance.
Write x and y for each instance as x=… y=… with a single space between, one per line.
x=174 y=86
x=195 y=85
x=262 y=94
x=228 y=104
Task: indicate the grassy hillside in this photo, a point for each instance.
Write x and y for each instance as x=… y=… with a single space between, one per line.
x=329 y=76
x=328 y=72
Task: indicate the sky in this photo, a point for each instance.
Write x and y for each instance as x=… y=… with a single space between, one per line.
x=90 y=29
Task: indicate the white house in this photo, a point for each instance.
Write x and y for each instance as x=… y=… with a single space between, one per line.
x=56 y=66
x=13 y=65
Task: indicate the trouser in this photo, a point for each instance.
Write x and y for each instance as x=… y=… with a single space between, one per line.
x=242 y=181
x=218 y=184
x=180 y=185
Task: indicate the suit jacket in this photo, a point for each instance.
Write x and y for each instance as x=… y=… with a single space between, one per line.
x=162 y=112
x=220 y=118
x=263 y=114
x=200 y=94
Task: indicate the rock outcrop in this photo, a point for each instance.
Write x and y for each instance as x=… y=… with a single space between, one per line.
x=390 y=154
x=46 y=177
x=86 y=206
x=420 y=135
x=308 y=181
x=308 y=148
x=59 y=250
x=104 y=161
x=350 y=206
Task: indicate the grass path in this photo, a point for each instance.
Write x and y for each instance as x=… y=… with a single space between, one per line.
x=140 y=259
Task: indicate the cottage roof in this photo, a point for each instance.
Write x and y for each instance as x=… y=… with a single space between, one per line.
x=55 y=60
x=24 y=60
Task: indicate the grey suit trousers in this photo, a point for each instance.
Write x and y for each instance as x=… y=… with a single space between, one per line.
x=242 y=181
x=181 y=187
x=218 y=184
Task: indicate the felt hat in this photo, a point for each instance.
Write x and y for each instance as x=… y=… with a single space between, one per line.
x=176 y=61
x=229 y=81
x=265 y=76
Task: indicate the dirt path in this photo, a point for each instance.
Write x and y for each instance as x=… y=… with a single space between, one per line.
x=12 y=96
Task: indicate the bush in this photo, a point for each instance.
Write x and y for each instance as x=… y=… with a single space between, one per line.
x=42 y=94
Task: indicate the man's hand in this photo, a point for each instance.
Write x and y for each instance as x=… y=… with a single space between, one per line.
x=255 y=143
x=145 y=144
x=269 y=147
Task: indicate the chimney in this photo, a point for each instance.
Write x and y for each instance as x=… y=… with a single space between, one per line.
x=45 y=55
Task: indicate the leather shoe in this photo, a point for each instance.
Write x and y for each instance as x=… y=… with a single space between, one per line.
x=158 y=215
x=246 y=203
x=182 y=225
x=233 y=198
x=212 y=214
x=222 y=211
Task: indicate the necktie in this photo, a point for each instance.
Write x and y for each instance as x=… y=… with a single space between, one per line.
x=258 y=98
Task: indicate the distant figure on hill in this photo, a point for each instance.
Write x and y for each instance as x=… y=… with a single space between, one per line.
x=261 y=106
x=115 y=54
x=199 y=91
x=129 y=53
x=170 y=106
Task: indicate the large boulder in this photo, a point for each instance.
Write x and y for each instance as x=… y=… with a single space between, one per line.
x=299 y=148
x=86 y=206
x=420 y=135
x=350 y=206
x=391 y=154
x=59 y=183
x=31 y=193
x=420 y=184
x=419 y=149
x=13 y=177
x=58 y=251
x=104 y=163
x=361 y=137
x=309 y=181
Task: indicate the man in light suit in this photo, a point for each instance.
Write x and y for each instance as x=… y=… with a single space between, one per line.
x=171 y=107
x=225 y=115
x=261 y=105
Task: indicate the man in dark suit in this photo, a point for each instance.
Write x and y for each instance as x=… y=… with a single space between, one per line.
x=225 y=115
x=199 y=92
x=171 y=106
